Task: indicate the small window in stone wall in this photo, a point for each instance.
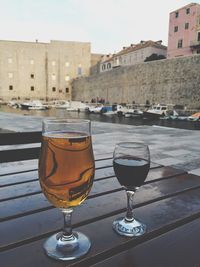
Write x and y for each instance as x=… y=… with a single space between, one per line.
x=60 y=91
x=53 y=89
x=67 y=90
x=32 y=88
x=187 y=11
x=79 y=71
x=198 y=36
x=180 y=43
x=186 y=25
x=109 y=66
x=175 y=28
x=10 y=87
x=32 y=76
x=176 y=14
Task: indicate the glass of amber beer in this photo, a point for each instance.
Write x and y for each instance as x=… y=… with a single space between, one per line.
x=66 y=172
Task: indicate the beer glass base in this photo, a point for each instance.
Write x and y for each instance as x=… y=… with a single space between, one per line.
x=68 y=250
x=126 y=228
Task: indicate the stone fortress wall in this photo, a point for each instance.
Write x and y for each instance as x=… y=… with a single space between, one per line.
x=170 y=81
x=44 y=71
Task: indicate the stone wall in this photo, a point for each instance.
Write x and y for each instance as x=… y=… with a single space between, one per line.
x=169 y=81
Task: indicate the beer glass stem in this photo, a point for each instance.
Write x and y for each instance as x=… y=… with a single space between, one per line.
x=67 y=228
x=129 y=213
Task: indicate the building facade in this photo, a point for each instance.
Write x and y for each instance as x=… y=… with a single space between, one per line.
x=184 y=31
x=34 y=70
x=135 y=53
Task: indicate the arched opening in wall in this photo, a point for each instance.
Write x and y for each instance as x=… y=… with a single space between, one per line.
x=109 y=66
x=103 y=67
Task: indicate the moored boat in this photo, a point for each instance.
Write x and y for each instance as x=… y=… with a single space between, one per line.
x=35 y=104
x=156 y=112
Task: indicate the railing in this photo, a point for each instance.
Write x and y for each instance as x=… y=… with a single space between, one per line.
x=195 y=44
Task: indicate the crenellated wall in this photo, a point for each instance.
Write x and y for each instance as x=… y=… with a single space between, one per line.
x=169 y=81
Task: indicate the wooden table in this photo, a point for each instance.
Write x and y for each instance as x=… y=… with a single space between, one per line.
x=168 y=202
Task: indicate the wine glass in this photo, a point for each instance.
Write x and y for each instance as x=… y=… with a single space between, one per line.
x=131 y=162
x=66 y=172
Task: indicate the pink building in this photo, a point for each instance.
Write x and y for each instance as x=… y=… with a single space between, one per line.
x=184 y=31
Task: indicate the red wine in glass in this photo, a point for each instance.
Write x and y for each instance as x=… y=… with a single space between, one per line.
x=131 y=163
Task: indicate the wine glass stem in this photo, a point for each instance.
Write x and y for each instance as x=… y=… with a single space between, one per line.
x=129 y=214
x=67 y=228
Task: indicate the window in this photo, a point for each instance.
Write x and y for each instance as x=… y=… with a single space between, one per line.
x=187 y=11
x=180 y=43
x=103 y=67
x=109 y=66
x=67 y=90
x=10 y=75
x=175 y=28
x=32 y=88
x=60 y=91
x=10 y=87
x=53 y=89
x=79 y=71
x=186 y=25
x=32 y=76
x=198 y=51
x=176 y=14
x=198 y=36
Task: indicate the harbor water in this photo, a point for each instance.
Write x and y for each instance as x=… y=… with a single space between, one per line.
x=63 y=113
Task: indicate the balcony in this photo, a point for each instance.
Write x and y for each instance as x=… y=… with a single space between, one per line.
x=195 y=44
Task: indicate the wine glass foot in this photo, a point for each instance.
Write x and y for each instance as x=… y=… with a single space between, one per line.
x=129 y=228
x=65 y=250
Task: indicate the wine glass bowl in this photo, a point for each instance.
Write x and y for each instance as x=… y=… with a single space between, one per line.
x=131 y=163
x=66 y=172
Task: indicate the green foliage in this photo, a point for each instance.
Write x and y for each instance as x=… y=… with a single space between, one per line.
x=154 y=57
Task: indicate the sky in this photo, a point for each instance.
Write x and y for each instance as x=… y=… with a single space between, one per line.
x=107 y=24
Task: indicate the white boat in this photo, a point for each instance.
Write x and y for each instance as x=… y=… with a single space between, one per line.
x=60 y=104
x=94 y=108
x=77 y=106
x=35 y=104
x=114 y=109
x=156 y=111
x=14 y=104
x=133 y=113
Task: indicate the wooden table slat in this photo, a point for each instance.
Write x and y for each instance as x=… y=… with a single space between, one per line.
x=168 y=203
x=33 y=187
x=185 y=209
x=182 y=244
x=37 y=223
